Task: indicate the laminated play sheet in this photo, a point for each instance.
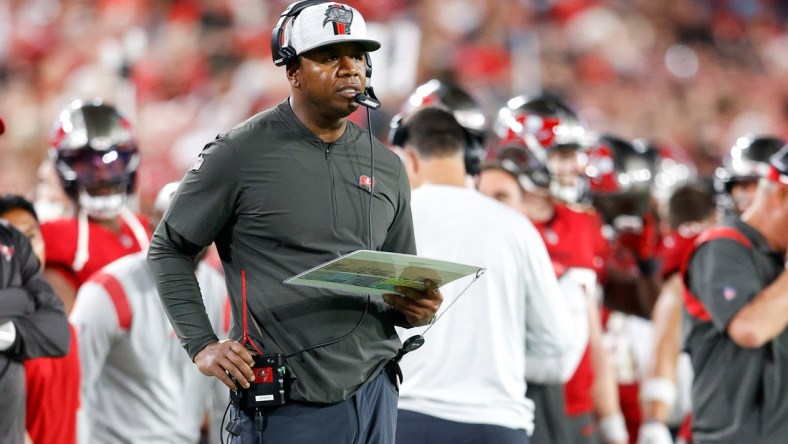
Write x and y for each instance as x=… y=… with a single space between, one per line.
x=378 y=272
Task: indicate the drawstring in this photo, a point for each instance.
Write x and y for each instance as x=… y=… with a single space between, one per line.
x=140 y=233
x=83 y=236
x=83 y=233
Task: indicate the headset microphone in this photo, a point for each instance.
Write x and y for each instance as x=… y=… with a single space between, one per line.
x=368 y=97
x=370 y=101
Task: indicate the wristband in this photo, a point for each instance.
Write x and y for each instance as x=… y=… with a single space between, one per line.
x=658 y=389
x=613 y=428
x=654 y=432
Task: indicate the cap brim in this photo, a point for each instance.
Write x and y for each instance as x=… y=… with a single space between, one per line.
x=369 y=45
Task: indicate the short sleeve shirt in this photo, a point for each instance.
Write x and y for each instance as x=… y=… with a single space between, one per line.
x=738 y=393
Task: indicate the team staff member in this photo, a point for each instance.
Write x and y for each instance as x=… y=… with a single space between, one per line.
x=467 y=385
x=32 y=320
x=120 y=326
x=51 y=383
x=736 y=332
x=282 y=192
x=691 y=210
x=32 y=324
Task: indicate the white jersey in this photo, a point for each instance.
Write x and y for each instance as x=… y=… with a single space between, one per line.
x=472 y=366
x=138 y=383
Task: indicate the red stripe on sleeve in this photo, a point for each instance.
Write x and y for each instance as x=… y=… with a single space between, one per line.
x=118 y=297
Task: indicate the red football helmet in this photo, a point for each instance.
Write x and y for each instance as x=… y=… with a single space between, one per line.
x=95 y=153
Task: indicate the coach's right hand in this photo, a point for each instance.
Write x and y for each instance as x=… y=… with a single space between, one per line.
x=227 y=360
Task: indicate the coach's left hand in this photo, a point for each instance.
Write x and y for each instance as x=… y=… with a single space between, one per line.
x=419 y=307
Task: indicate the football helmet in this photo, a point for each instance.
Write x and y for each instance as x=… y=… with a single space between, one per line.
x=555 y=135
x=532 y=174
x=673 y=167
x=747 y=161
x=95 y=153
x=465 y=109
x=542 y=123
x=621 y=175
x=778 y=163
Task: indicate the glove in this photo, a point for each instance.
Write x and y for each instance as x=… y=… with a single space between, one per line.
x=654 y=432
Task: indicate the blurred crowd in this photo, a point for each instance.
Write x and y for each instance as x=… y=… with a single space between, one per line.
x=695 y=73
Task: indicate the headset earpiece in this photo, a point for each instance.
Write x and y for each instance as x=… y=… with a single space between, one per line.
x=473 y=154
x=398 y=131
x=368 y=61
x=281 y=51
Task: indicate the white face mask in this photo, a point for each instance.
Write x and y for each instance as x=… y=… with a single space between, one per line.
x=102 y=207
x=569 y=194
x=51 y=209
x=628 y=223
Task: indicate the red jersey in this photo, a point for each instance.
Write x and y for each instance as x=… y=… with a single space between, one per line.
x=62 y=238
x=675 y=245
x=574 y=240
x=52 y=391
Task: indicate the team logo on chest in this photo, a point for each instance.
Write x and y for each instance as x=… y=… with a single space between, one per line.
x=367 y=183
x=340 y=18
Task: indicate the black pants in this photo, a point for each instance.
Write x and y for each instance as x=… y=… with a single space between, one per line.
x=369 y=416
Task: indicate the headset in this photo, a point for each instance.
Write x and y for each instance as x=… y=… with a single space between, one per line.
x=473 y=150
x=282 y=53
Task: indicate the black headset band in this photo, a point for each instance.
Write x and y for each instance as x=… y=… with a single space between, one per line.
x=279 y=52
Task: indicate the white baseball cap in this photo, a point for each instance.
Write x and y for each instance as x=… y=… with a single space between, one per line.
x=325 y=24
